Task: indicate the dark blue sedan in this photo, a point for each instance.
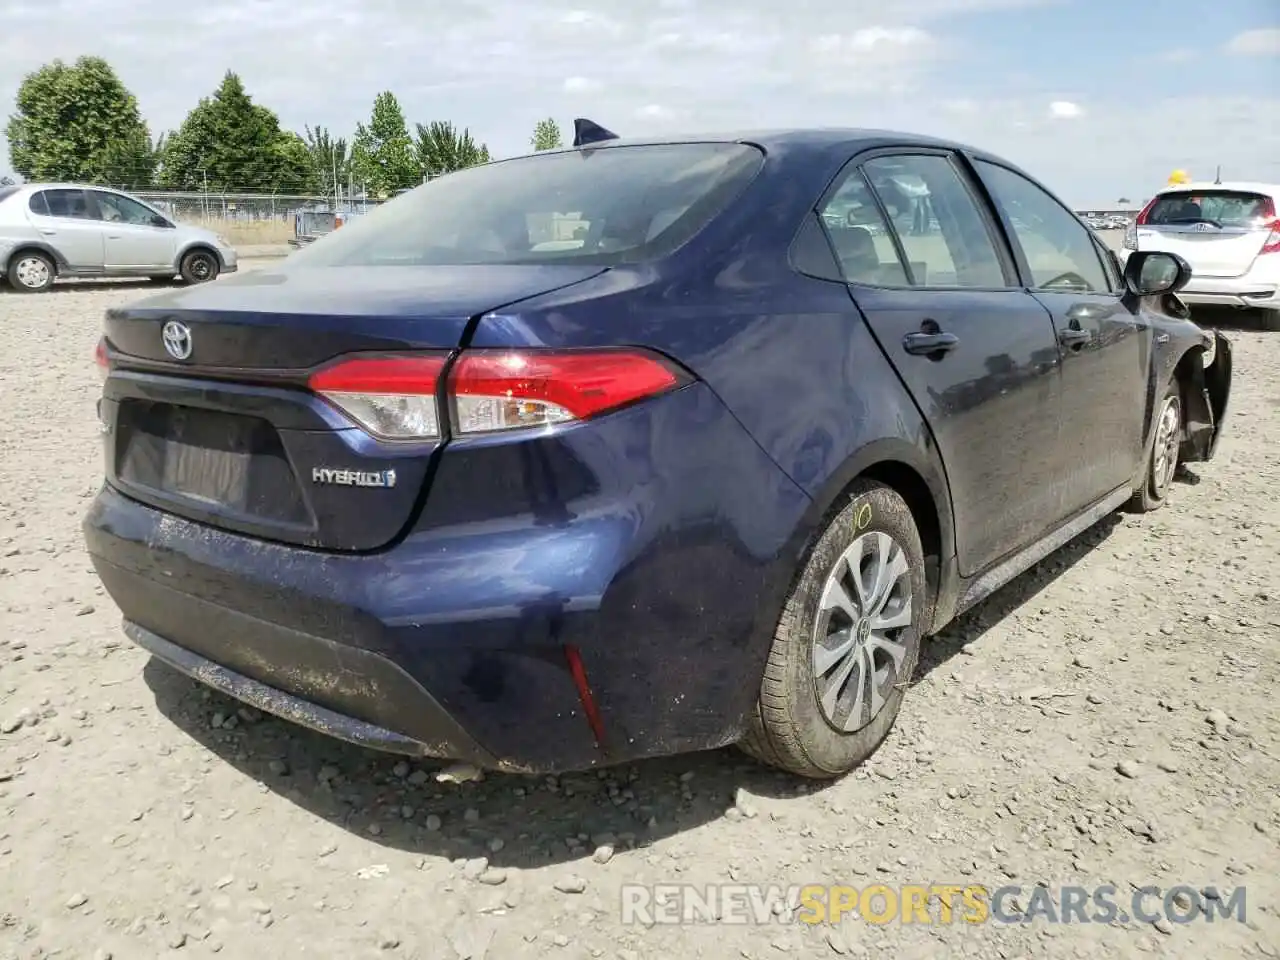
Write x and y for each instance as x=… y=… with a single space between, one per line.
x=638 y=447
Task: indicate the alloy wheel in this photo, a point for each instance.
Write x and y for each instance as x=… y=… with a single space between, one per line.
x=1168 y=440
x=864 y=609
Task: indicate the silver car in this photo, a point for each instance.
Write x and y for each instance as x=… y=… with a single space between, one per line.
x=50 y=230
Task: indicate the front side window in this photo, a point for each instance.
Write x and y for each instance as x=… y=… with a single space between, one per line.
x=609 y=205
x=937 y=220
x=1059 y=249
x=118 y=209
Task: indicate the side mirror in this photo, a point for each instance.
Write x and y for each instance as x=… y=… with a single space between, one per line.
x=1152 y=273
x=159 y=221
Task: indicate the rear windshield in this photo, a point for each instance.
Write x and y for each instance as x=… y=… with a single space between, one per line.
x=1225 y=208
x=7 y=192
x=608 y=205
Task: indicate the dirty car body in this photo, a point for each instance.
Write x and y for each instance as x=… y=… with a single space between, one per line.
x=535 y=499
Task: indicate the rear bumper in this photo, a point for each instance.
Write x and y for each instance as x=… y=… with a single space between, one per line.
x=434 y=732
x=656 y=544
x=1231 y=292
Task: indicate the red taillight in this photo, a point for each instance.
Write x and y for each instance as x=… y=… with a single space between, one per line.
x=1268 y=217
x=100 y=357
x=395 y=397
x=391 y=397
x=1272 y=244
x=503 y=390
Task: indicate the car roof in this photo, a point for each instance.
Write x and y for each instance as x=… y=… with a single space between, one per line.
x=66 y=186
x=1243 y=186
x=817 y=138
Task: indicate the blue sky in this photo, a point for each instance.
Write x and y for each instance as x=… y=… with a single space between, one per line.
x=1100 y=98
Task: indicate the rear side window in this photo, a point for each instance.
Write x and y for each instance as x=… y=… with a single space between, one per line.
x=937 y=221
x=1224 y=208
x=70 y=204
x=609 y=205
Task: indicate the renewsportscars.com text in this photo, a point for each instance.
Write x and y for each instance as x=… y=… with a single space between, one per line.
x=936 y=903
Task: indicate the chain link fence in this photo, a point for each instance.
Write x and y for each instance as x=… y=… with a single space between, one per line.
x=256 y=218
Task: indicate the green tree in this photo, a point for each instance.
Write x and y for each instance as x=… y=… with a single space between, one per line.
x=546 y=135
x=382 y=154
x=229 y=143
x=330 y=156
x=442 y=148
x=78 y=122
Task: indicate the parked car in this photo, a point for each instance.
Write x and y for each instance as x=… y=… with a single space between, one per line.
x=52 y=230
x=709 y=476
x=1228 y=232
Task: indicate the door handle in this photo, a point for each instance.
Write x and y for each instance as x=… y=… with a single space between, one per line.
x=49 y=233
x=1074 y=337
x=924 y=344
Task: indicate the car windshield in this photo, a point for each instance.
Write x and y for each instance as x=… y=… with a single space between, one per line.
x=607 y=206
x=1226 y=208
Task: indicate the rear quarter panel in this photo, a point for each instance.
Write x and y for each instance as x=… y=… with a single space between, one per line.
x=788 y=355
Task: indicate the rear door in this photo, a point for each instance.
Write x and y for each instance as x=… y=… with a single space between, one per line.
x=1220 y=232
x=937 y=287
x=68 y=221
x=1105 y=342
x=133 y=240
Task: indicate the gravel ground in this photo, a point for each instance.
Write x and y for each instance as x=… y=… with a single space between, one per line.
x=1107 y=718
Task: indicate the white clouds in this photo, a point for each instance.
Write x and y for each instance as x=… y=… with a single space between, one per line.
x=1065 y=110
x=892 y=40
x=580 y=85
x=498 y=66
x=654 y=111
x=1264 y=42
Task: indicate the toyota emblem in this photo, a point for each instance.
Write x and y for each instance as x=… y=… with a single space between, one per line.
x=177 y=339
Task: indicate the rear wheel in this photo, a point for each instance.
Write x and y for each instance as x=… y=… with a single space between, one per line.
x=199 y=266
x=1162 y=460
x=31 y=272
x=847 y=642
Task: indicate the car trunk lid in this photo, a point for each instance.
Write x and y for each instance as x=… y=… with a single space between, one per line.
x=230 y=434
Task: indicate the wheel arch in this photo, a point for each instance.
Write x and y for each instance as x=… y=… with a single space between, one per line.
x=921 y=481
x=1199 y=423
x=34 y=246
x=197 y=246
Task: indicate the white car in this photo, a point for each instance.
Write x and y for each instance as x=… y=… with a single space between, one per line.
x=1230 y=235
x=51 y=230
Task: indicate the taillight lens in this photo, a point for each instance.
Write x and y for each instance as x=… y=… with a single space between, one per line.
x=1272 y=244
x=391 y=397
x=395 y=397
x=506 y=390
x=100 y=358
x=1130 y=241
x=1268 y=217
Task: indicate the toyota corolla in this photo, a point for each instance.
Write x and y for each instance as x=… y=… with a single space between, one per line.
x=637 y=447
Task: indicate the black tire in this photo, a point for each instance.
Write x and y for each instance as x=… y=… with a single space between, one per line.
x=200 y=266
x=31 y=272
x=1269 y=320
x=789 y=728
x=1157 y=476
